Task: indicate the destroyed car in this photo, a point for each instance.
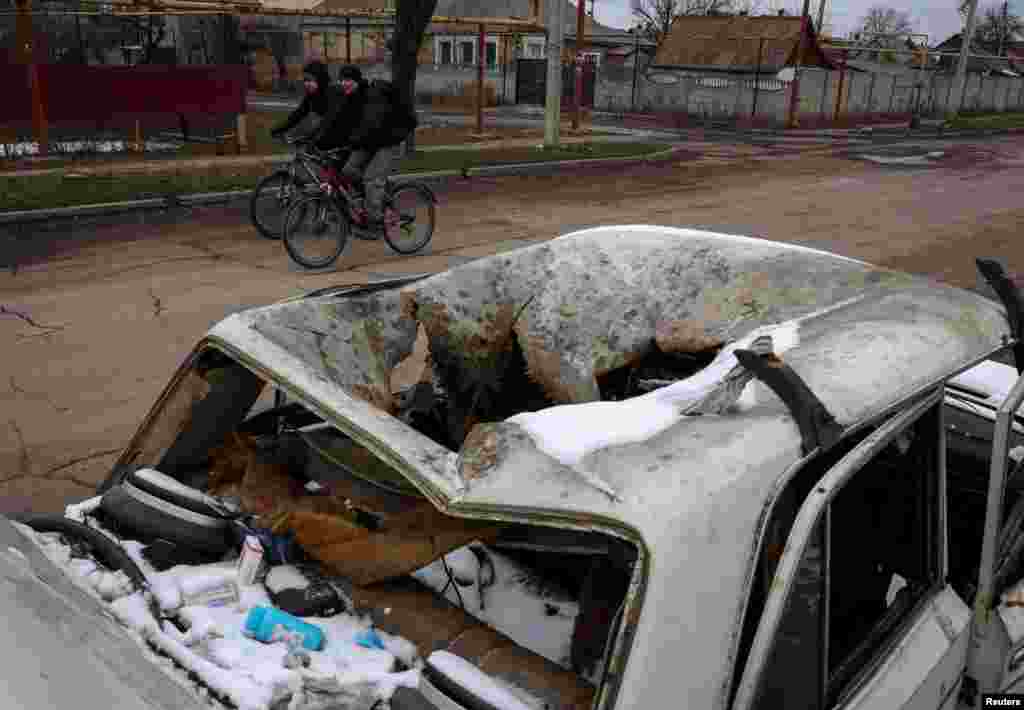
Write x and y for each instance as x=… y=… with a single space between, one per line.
x=718 y=464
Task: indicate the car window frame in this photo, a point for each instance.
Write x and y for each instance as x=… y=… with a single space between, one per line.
x=811 y=511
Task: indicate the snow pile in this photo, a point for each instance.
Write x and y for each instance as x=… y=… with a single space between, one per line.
x=571 y=432
x=508 y=597
x=994 y=379
x=248 y=673
x=466 y=675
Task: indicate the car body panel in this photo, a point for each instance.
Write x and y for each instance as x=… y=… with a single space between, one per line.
x=65 y=650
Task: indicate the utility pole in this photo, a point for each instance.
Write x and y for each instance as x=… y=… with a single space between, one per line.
x=481 y=51
x=26 y=55
x=957 y=97
x=794 y=97
x=636 y=63
x=553 y=101
x=1003 y=30
x=580 y=15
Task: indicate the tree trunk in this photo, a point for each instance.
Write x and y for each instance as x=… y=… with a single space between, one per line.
x=411 y=20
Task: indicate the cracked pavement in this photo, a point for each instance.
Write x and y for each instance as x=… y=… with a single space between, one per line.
x=98 y=314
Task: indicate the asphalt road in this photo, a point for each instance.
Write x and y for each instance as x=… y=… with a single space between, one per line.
x=98 y=314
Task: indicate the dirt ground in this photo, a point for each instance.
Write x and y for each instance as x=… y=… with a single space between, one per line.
x=96 y=316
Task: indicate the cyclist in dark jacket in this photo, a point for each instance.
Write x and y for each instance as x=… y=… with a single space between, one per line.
x=337 y=117
x=375 y=137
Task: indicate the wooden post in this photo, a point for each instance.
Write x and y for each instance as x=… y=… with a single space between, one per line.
x=240 y=133
x=348 y=40
x=636 y=65
x=757 y=77
x=794 y=96
x=578 y=113
x=26 y=53
x=140 y=145
x=839 y=92
x=870 y=104
x=480 y=83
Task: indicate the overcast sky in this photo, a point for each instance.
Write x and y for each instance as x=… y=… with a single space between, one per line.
x=939 y=18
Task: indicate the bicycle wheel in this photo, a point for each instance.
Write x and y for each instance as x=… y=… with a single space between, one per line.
x=315 y=231
x=414 y=208
x=271 y=199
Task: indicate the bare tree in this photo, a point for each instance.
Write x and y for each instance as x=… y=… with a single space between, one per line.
x=885 y=20
x=654 y=17
x=996 y=28
x=411 y=20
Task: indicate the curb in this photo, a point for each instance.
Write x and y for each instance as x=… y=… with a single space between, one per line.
x=209 y=198
x=557 y=166
x=82 y=210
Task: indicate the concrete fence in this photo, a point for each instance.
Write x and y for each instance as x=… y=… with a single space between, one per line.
x=435 y=81
x=864 y=96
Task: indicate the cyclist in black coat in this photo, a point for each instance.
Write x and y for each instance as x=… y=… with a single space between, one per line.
x=338 y=115
x=375 y=136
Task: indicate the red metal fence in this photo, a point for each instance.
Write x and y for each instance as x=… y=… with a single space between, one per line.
x=73 y=92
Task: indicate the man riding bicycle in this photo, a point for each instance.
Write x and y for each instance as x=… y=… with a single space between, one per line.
x=375 y=138
x=337 y=112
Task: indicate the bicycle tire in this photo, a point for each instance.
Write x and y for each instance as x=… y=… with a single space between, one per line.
x=327 y=219
x=266 y=226
x=422 y=198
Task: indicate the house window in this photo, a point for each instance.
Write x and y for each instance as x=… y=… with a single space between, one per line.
x=467 y=54
x=491 y=49
x=446 y=52
x=869 y=560
x=592 y=58
x=534 y=50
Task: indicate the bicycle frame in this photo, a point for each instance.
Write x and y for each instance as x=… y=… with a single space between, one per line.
x=321 y=172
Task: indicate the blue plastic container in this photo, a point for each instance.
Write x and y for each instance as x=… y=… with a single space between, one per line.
x=269 y=625
x=368 y=638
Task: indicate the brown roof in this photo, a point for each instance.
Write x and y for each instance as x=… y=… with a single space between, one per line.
x=732 y=43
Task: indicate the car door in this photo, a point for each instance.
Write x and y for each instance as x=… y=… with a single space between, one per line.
x=859 y=614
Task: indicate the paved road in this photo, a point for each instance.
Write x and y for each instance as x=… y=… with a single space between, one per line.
x=97 y=316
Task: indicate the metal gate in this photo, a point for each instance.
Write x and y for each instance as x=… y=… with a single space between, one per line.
x=532 y=82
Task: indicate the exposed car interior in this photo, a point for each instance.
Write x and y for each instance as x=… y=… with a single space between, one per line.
x=227 y=433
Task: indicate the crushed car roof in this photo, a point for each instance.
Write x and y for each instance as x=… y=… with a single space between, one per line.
x=693 y=489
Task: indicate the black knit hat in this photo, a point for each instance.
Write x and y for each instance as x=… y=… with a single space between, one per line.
x=350 y=71
x=318 y=70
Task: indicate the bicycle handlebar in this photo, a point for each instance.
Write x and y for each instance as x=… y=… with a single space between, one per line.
x=307 y=144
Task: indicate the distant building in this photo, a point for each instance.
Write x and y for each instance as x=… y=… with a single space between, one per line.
x=738 y=45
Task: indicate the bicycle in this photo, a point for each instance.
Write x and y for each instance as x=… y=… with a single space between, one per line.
x=275 y=193
x=317 y=227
